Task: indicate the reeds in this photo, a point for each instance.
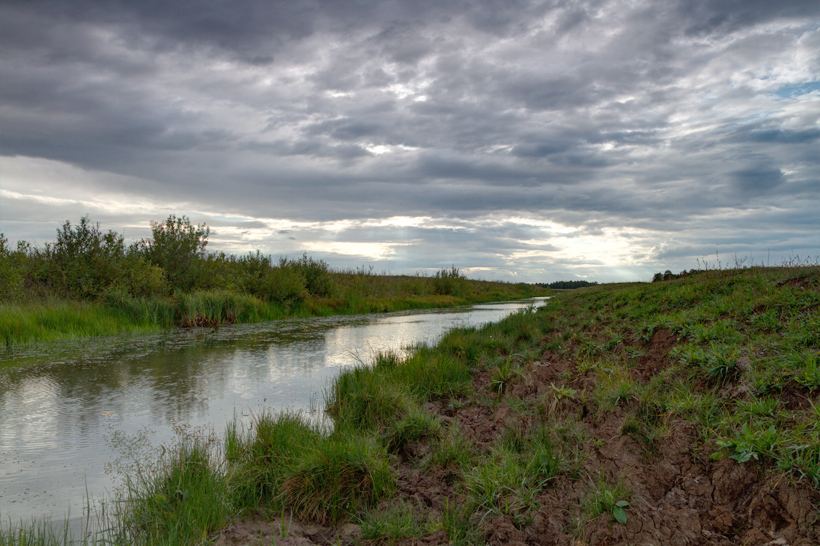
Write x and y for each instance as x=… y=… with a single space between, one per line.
x=117 y=312
x=61 y=320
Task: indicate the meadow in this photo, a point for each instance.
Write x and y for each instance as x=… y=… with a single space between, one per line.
x=674 y=412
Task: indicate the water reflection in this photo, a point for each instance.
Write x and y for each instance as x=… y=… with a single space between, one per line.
x=60 y=403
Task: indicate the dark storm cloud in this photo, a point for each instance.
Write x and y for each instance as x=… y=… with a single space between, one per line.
x=607 y=117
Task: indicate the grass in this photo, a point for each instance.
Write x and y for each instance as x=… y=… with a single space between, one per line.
x=116 y=312
x=36 y=533
x=62 y=320
x=339 y=477
x=399 y=521
x=181 y=495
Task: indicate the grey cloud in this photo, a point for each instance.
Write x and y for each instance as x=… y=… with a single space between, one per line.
x=726 y=16
x=601 y=115
x=782 y=136
x=760 y=178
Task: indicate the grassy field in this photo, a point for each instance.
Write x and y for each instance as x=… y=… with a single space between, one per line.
x=678 y=412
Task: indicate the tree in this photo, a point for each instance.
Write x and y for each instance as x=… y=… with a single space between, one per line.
x=178 y=248
x=87 y=260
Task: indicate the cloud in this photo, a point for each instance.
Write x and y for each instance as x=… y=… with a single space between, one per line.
x=644 y=131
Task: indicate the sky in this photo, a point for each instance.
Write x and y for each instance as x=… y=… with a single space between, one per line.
x=518 y=141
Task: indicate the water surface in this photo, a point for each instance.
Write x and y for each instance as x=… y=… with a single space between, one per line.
x=61 y=404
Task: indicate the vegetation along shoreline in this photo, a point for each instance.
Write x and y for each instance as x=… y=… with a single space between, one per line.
x=677 y=412
x=89 y=283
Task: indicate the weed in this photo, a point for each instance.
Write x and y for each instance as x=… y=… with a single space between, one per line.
x=560 y=392
x=545 y=459
x=454 y=451
x=750 y=443
x=613 y=342
x=645 y=332
x=615 y=389
x=586 y=365
x=634 y=353
x=718 y=364
x=513 y=438
x=608 y=498
x=758 y=407
x=284 y=532
x=807 y=370
x=555 y=395
x=504 y=485
x=506 y=370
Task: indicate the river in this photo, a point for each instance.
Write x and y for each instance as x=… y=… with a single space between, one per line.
x=61 y=405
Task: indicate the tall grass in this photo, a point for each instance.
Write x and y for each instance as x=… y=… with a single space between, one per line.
x=179 y=498
x=57 y=321
x=36 y=533
x=117 y=312
x=276 y=462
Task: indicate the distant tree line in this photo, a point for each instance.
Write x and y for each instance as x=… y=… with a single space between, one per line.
x=668 y=275
x=568 y=285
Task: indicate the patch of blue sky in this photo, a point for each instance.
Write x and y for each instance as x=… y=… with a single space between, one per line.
x=791 y=91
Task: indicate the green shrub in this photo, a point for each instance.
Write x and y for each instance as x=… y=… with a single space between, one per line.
x=450 y=282
x=177 y=247
x=140 y=278
x=285 y=285
x=11 y=271
x=315 y=273
x=84 y=261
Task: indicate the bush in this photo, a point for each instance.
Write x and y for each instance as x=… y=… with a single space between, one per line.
x=450 y=282
x=177 y=247
x=85 y=262
x=142 y=279
x=11 y=267
x=285 y=285
x=316 y=274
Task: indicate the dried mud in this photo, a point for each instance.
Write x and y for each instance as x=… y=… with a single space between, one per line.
x=680 y=496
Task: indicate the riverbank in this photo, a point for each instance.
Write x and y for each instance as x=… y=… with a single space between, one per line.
x=678 y=412
x=90 y=283
x=353 y=293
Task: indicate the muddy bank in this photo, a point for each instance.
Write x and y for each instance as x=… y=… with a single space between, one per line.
x=677 y=413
